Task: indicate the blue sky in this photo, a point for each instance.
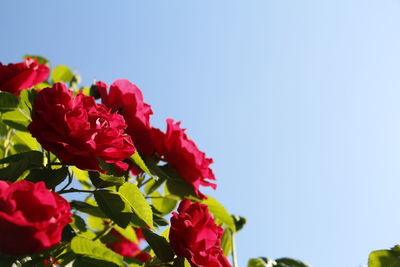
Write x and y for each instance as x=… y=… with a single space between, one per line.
x=296 y=101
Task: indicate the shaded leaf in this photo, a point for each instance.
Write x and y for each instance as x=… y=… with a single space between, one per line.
x=87 y=208
x=114 y=206
x=160 y=245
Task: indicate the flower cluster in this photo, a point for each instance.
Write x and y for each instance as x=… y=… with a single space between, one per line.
x=98 y=135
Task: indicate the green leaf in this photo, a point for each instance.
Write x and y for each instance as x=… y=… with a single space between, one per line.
x=51 y=177
x=82 y=177
x=95 y=250
x=100 y=180
x=153 y=184
x=160 y=245
x=226 y=242
x=61 y=73
x=87 y=208
x=137 y=202
x=384 y=258
x=219 y=212
x=288 y=262
x=140 y=163
x=25 y=139
x=8 y=102
x=79 y=223
x=20 y=163
x=239 y=222
x=129 y=233
x=258 y=262
x=40 y=60
x=163 y=204
x=110 y=168
x=114 y=206
x=82 y=261
x=156 y=262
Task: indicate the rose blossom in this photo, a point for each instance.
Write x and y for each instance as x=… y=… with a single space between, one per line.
x=127 y=248
x=126 y=98
x=195 y=236
x=78 y=130
x=31 y=217
x=182 y=154
x=16 y=77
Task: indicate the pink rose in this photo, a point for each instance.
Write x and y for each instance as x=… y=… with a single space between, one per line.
x=195 y=236
x=16 y=77
x=78 y=130
x=31 y=217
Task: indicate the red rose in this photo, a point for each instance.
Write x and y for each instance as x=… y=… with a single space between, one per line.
x=127 y=99
x=195 y=236
x=127 y=248
x=31 y=217
x=20 y=76
x=182 y=154
x=78 y=130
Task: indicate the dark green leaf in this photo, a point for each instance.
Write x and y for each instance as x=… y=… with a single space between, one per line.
x=95 y=250
x=153 y=185
x=239 y=222
x=100 y=180
x=8 y=102
x=16 y=125
x=51 y=177
x=160 y=245
x=288 y=262
x=384 y=258
x=20 y=163
x=79 y=223
x=87 y=208
x=110 y=168
x=155 y=262
x=114 y=206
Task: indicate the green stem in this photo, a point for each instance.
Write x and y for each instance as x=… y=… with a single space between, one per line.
x=73 y=190
x=7 y=142
x=234 y=256
x=106 y=230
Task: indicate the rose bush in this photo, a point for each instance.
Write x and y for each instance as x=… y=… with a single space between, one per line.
x=92 y=145
x=31 y=217
x=195 y=236
x=78 y=130
x=23 y=75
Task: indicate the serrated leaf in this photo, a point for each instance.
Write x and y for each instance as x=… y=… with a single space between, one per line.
x=140 y=163
x=159 y=245
x=114 y=206
x=26 y=139
x=137 y=202
x=95 y=250
x=219 y=212
x=62 y=74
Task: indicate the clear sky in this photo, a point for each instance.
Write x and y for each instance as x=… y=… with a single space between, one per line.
x=298 y=102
